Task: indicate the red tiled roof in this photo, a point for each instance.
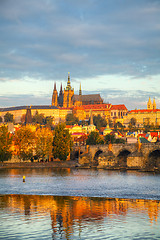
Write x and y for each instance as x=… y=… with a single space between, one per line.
x=142 y=135
x=78 y=108
x=78 y=134
x=144 y=110
x=69 y=126
x=155 y=134
x=97 y=106
x=118 y=107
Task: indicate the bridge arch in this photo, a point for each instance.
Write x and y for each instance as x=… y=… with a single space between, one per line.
x=122 y=157
x=75 y=154
x=154 y=159
x=95 y=159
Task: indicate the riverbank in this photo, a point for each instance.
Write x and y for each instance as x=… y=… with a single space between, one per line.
x=54 y=164
x=68 y=164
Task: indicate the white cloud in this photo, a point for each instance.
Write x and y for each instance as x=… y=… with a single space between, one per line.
x=111 y=44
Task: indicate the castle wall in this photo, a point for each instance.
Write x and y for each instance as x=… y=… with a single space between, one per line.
x=142 y=116
x=19 y=113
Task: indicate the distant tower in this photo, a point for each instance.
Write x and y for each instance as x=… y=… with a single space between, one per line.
x=54 y=96
x=60 y=97
x=91 y=118
x=149 y=104
x=154 y=103
x=68 y=83
x=80 y=91
x=28 y=118
x=68 y=94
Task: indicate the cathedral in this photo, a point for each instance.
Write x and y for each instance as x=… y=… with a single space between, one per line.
x=67 y=99
x=150 y=105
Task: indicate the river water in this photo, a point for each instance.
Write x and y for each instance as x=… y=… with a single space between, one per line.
x=79 y=204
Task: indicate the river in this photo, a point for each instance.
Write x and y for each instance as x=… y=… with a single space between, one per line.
x=56 y=203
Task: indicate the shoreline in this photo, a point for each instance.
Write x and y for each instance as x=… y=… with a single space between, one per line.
x=65 y=164
x=54 y=164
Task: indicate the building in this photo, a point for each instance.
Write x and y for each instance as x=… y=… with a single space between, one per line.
x=67 y=98
x=148 y=116
x=20 y=112
x=66 y=102
x=118 y=111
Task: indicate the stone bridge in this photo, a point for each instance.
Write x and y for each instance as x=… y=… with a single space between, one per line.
x=129 y=156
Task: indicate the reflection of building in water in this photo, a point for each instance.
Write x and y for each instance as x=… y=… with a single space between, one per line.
x=65 y=211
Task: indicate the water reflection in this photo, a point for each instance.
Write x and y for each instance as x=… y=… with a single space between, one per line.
x=76 y=217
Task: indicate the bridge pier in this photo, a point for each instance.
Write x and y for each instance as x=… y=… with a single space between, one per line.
x=128 y=156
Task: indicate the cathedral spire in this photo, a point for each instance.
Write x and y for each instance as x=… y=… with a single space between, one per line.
x=68 y=83
x=149 y=104
x=54 y=86
x=61 y=92
x=154 y=103
x=54 y=96
x=80 y=90
x=91 y=118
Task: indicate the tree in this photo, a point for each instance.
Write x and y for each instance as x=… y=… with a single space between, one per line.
x=8 y=117
x=132 y=124
x=110 y=121
x=71 y=119
x=109 y=138
x=5 y=144
x=1 y=119
x=133 y=121
x=38 y=118
x=48 y=121
x=25 y=142
x=83 y=123
x=62 y=142
x=94 y=138
x=44 y=139
x=118 y=125
x=99 y=122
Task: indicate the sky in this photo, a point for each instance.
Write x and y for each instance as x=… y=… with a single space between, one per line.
x=111 y=47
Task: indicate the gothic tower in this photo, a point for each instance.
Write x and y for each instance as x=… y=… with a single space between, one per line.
x=154 y=103
x=60 y=97
x=149 y=104
x=68 y=94
x=55 y=96
x=28 y=117
x=80 y=90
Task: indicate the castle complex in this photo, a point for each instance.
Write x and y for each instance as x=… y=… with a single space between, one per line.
x=83 y=106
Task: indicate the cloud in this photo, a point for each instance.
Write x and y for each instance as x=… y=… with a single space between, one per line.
x=89 y=38
x=24 y=100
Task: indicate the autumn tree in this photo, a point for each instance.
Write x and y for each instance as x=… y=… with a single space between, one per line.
x=110 y=138
x=5 y=144
x=62 y=142
x=118 y=125
x=25 y=142
x=133 y=121
x=8 y=117
x=1 y=119
x=71 y=119
x=48 y=121
x=44 y=140
x=38 y=118
x=94 y=138
x=99 y=122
